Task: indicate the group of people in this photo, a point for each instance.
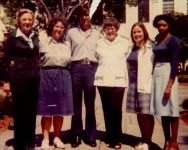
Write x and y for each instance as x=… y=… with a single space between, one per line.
x=51 y=76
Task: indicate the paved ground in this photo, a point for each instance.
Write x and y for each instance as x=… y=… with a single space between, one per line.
x=129 y=126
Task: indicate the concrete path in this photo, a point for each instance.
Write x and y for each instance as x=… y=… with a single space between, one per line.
x=131 y=132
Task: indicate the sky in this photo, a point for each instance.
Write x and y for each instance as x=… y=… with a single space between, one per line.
x=93 y=8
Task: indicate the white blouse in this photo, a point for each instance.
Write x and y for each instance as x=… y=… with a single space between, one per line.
x=112 y=68
x=55 y=53
x=145 y=67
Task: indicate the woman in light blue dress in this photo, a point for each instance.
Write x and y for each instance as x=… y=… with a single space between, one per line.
x=164 y=95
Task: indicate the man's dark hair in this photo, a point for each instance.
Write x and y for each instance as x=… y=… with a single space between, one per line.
x=83 y=11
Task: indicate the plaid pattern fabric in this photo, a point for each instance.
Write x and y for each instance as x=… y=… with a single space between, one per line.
x=137 y=102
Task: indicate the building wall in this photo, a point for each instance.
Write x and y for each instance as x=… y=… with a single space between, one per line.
x=180 y=6
x=156 y=8
x=2 y=26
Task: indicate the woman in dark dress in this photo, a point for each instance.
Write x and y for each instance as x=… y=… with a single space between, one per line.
x=22 y=60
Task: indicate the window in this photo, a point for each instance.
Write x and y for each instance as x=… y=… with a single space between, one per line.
x=187 y=7
x=118 y=8
x=143 y=11
x=115 y=7
x=168 y=6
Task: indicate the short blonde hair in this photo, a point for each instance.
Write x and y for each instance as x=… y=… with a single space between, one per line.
x=21 y=12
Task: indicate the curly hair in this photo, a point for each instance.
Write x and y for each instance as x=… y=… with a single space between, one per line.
x=170 y=21
x=52 y=23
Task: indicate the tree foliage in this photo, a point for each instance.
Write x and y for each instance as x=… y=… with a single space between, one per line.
x=11 y=7
x=44 y=9
x=181 y=31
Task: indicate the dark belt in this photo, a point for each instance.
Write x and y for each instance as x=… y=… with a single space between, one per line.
x=55 y=67
x=84 y=62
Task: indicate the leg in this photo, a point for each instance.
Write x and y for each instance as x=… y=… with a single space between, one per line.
x=145 y=127
x=32 y=95
x=105 y=96
x=57 y=123
x=166 y=129
x=174 y=130
x=76 y=124
x=19 y=141
x=25 y=95
x=89 y=99
x=46 y=123
x=17 y=113
x=116 y=112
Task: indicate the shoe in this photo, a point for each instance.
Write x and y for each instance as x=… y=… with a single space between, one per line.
x=173 y=146
x=142 y=146
x=45 y=145
x=29 y=148
x=92 y=144
x=76 y=141
x=167 y=145
x=115 y=146
x=58 y=143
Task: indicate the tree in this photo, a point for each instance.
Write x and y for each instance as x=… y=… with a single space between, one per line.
x=181 y=31
x=11 y=7
x=44 y=10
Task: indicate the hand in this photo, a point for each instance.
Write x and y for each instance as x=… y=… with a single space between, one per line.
x=166 y=96
x=167 y=93
x=42 y=59
x=41 y=54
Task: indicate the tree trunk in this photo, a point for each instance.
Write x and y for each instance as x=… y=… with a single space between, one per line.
x=46 y=9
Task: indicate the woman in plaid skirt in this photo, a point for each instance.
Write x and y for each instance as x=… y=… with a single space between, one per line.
x=140 y=63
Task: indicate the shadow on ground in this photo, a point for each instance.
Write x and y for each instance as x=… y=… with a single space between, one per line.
x=65 y=135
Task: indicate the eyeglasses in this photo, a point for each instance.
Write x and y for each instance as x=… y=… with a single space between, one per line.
x=112 y=28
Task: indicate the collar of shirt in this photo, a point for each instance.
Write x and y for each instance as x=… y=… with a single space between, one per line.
x=51 y=40
x=91 y=27
x=148 y=45
x=19 y=33
x=86 y=33
x=116 y=40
